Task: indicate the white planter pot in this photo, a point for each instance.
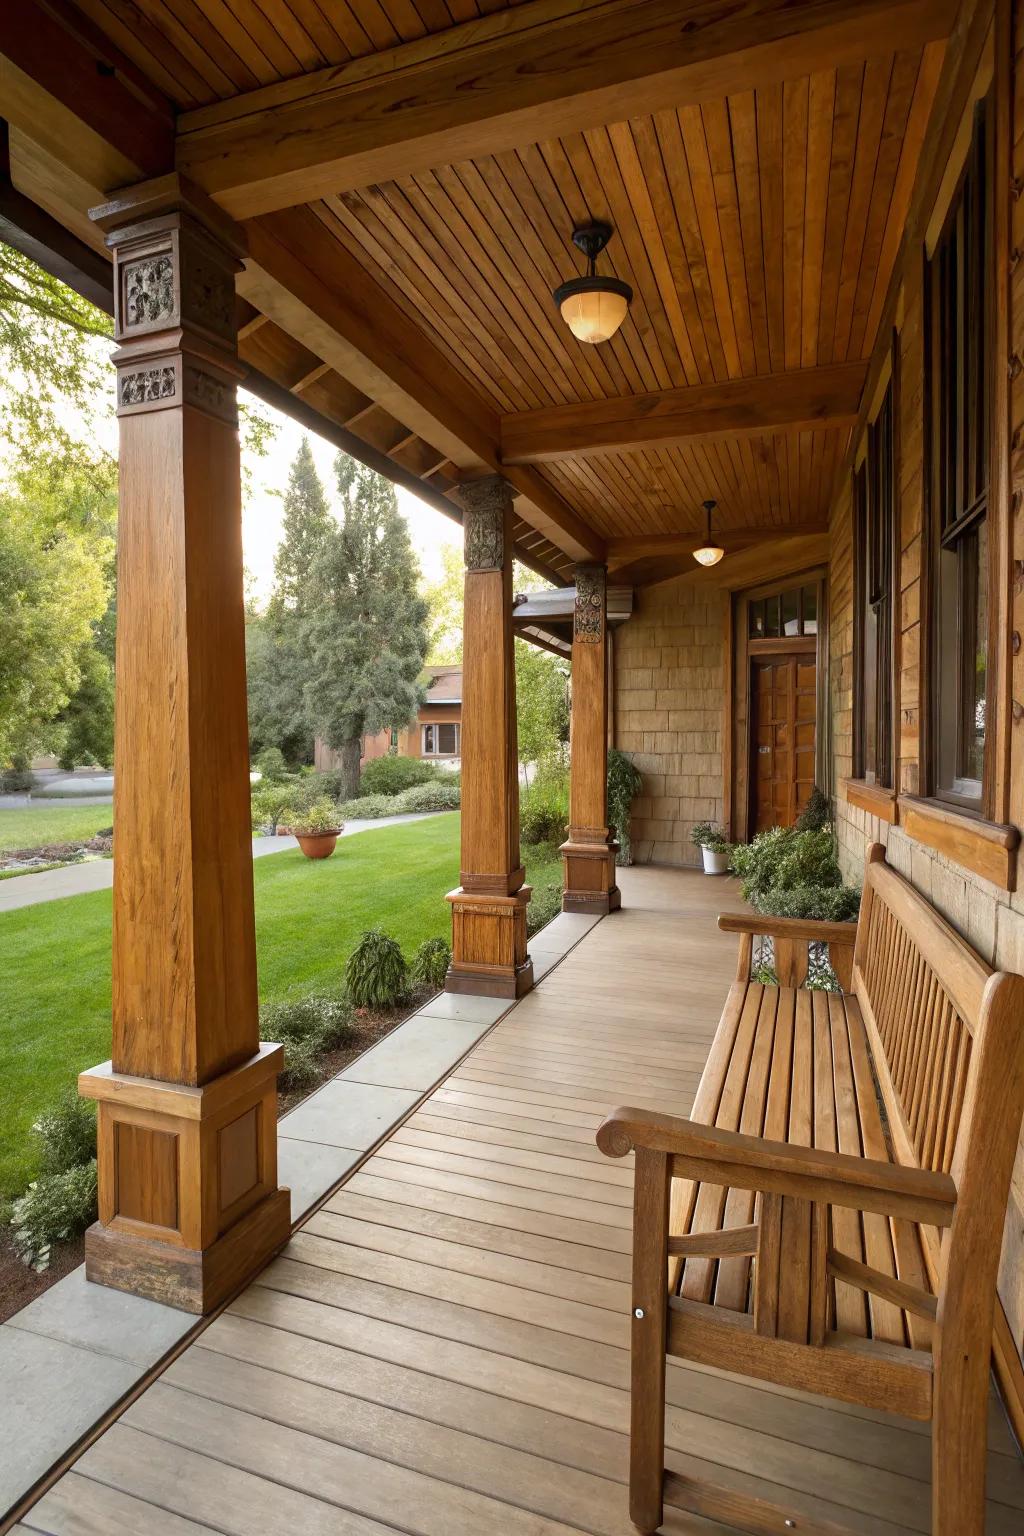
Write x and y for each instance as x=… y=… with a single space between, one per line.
x=715 y=862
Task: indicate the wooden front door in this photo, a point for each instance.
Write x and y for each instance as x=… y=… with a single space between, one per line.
x=783 y=696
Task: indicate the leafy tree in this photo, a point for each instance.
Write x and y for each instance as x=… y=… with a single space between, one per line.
x=308 y=525
x=366 y=623
x=542 y=705
x=444 y=599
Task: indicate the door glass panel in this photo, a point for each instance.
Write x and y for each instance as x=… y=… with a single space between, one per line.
x=810 y=610
x=791 y=612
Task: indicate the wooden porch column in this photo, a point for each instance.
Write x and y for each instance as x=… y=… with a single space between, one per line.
x=489 y=909
x=589 y=855
x=188 y=1198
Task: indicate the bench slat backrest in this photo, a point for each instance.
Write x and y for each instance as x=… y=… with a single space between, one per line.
x=921 y=990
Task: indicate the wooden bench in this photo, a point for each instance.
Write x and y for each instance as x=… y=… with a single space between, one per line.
x=830 y=1217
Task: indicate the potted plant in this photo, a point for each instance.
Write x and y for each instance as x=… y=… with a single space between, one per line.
x=316 y=829
x=712 y=842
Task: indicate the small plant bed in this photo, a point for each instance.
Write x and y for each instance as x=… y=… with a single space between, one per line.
x=30 y=861
x=36 y=826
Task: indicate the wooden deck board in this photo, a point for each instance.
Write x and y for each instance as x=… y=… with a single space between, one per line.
x=443 y=1348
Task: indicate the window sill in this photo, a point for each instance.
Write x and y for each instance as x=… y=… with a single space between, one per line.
x=987 y=848
x=873 y=798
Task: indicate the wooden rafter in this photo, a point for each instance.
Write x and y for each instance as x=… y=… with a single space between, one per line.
x=625 y=551
x=800 y=400
x=486 y=86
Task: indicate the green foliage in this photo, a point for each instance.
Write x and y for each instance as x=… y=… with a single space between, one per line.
x=17 y=779
x=306 y=531
x=816 y=814
x=366 y=629
x=391 y=775
x=542 y=705
x=444 y=599
x=544 y=808
x=708 y=834
x=66 y=1134
x=545 y=904
x=271 y=766
x=268 y=804
x=438 y=796
x=430 y=964
x=313 y=820
x=367 y=808
x=301 y=1071
x=54 y=1209
x=376 y=974
x=276 y=667
x=320 y=1020
x=624 y=784
x=787 y=873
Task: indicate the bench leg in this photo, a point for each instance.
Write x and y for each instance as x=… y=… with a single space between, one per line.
x=959 y=1445
x=650 y=1316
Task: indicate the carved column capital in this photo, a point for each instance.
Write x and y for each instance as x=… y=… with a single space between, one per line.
x=591 y=599
x=175 y=259
x=486 y=505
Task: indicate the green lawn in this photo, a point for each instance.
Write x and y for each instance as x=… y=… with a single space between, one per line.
x=55 y=967
x=38 y=825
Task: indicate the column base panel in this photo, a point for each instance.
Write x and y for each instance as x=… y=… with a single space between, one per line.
x=592 y=903
x=189 y=1279
x=491 y=983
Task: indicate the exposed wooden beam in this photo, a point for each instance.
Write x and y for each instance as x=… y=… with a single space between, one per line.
x=543 y=70
x=30 y=229
x=300 y=276
x=654 y=546
x=65 y=85
x=783 y=556
x=801 y=400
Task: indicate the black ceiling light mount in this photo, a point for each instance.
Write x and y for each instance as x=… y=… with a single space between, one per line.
x=593 y=307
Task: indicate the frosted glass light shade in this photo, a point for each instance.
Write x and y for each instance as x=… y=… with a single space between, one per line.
x=708 y=554
x=594 y=316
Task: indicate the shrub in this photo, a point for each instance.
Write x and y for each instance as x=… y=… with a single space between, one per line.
x=268 y=804
x=376 y=974
x=66 y=1134
x=430 y=964
x=301 y=1070
x=16 y=778
x=314 y=820
x=624 y=784
x=437 y=796
x=271 y=765
x=370 y=808
x=54 y=1209
x=544 y=809
x=330 y=782
x=319 y=1020
x=545 y=904
x=816 y=814
x=823 y=903
x=392 y=775
x=707 y=834
x=786 y=873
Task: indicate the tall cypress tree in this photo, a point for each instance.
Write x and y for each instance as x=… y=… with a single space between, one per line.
x=277 y=658
x=366 y=624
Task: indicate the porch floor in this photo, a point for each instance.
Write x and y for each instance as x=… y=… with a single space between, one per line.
x=442 y=1349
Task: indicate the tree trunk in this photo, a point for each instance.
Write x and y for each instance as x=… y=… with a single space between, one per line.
x=348 y=766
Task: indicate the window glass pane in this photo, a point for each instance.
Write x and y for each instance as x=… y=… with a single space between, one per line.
x=974 y=659
x=428 y=741
x=771 y=616
x=810 y=610
x=757 y=620
x=447 y=744
x=791 y=612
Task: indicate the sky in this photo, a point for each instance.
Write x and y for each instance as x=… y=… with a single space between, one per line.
x=429 y=529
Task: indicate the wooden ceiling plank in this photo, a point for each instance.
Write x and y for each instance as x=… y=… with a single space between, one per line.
x=849 y=82
x=197 y=35
x=178 y=77
x=670 y=139
x=795 y=108
x=467 y=94
x=775 y=402
x=877 y=76
x=742 y=131
x=820 y=108
x=388 y=224
x=621 y=551
x=770 y=161
x=620 y=195
x=721 y=162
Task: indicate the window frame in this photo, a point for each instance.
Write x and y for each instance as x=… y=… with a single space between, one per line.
x=959 y=556
x=437 y=726
x=876 y=589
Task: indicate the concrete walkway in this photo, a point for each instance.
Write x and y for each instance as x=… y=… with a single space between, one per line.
x=98 y=874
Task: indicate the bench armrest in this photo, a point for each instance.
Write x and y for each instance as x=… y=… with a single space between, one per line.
x=799 y=928
x=747 y=1162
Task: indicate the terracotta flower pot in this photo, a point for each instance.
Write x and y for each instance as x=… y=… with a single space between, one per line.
x=317 y=845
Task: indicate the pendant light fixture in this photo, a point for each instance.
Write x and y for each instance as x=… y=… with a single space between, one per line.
x=593 y=307
x=709 y=553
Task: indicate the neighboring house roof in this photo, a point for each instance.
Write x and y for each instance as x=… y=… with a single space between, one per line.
x=443 y=684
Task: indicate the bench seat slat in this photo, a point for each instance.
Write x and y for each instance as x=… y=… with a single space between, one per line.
x=798 y=1068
